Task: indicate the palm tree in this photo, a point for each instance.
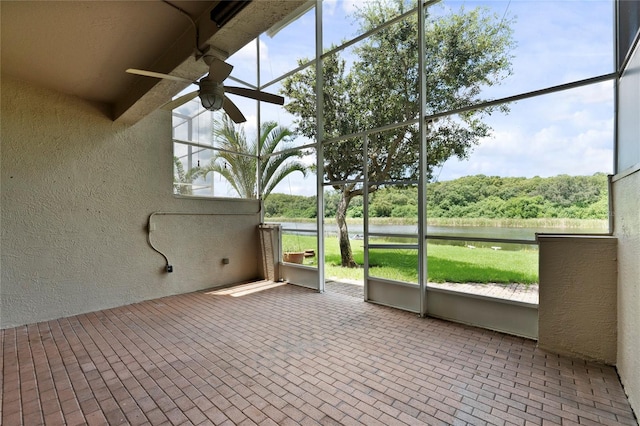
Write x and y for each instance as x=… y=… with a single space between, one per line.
x=183 y=181
x=236 y=160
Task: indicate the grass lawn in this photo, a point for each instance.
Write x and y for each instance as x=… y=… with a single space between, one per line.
x=445 y=263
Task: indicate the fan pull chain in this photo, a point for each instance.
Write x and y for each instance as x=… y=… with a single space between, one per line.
x=198 y=123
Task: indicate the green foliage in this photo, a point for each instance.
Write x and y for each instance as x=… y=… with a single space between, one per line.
x=482 y=265
x=492 y=197
x=465 y=52
x=563 y=196
x=290 y=206
x=446 y=263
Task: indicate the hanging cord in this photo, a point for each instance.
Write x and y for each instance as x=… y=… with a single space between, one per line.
x=151 y=226
x=505 y=14
x=193 y=23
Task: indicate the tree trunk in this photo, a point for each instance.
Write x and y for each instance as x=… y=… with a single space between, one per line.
x=343 y=233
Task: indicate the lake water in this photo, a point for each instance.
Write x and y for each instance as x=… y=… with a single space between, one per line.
x=356 y=231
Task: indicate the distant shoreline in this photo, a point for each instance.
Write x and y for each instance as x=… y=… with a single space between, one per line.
x=561 y=223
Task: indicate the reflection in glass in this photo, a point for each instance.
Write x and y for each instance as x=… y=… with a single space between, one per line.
x=193 y=123
x=189 y=177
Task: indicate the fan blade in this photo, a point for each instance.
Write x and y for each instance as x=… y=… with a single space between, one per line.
x=157 y=75
x=255 y=94
x=232 y=111
x=219 y=70
x=177 y=102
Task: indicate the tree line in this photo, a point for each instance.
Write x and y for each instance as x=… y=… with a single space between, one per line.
x=479 y=196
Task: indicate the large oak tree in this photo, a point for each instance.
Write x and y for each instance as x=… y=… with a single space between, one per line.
x=377 y=84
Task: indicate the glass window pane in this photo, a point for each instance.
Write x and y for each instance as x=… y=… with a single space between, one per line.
x=628 y=113
x=299 y=246
x=343 y=162
x=245 y=65
x=477 y=50
x=481 y=262
x=193 y=123
x=372 y=83
x=186 y=172
x=394 y=209
x=189 y=170
x=283 y=45
x=393 y=155
x=541 y=168
x=230 y=175
x=628 y=26
x=343 y=20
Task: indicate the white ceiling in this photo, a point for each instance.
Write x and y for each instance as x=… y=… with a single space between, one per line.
x=83 y=48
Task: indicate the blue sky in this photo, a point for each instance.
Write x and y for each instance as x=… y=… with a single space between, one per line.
x=557 y=42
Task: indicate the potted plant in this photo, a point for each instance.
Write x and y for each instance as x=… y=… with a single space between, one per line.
x=293 y=257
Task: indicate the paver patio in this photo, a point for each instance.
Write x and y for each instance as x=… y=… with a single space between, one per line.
x=289 y=355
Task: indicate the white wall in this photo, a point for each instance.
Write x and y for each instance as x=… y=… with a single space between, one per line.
x=626 y=202
x=76 y=192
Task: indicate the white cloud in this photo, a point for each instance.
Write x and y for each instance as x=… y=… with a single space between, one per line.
x=329 y=7
x=248 y=52
x=296 y=184
x=549 y=151
x=350 y=6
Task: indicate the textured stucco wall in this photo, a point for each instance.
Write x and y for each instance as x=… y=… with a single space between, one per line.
x=626 y=195
x=76 y=192
x=626 y=207
x=577 y=300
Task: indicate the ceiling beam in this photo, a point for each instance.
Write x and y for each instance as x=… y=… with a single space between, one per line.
x=147 y=94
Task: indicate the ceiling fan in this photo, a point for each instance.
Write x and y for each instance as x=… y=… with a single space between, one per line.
x=212 y=92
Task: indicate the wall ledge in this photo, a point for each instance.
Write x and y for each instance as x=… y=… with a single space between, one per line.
x=482 y=297
x=623 y=174
x=571 y=237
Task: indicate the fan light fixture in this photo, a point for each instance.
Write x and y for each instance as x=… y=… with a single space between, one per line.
x=211 y=94
x=212 y=90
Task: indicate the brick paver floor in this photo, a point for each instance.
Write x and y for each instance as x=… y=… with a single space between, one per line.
x=289 y=355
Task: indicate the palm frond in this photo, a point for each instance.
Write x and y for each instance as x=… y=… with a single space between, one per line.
x=241 y=171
